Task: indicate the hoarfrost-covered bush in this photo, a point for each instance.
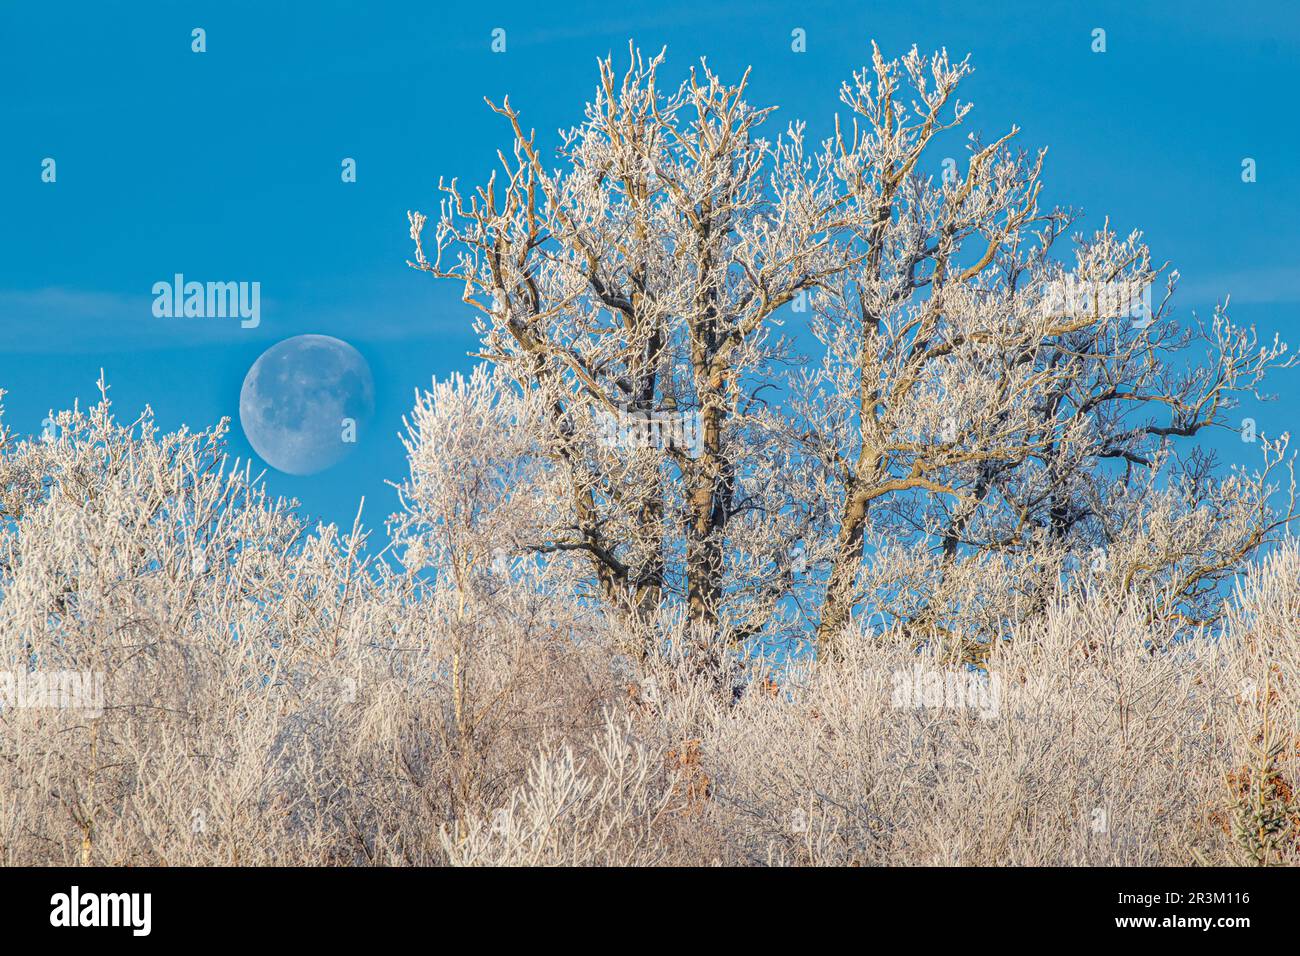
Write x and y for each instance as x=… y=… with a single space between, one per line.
x=304 y=704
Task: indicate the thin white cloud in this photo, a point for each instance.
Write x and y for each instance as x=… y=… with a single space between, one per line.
x=62 y=320
x=70 y=320
x=1277 y=284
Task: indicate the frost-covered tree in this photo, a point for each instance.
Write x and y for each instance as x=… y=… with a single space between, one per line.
x=985 y=412
x=644 y=280
x=1000 y=411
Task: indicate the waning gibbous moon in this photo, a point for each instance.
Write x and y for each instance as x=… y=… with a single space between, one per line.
x=305 y=403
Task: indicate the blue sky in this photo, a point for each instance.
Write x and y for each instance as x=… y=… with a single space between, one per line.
x=225 y=166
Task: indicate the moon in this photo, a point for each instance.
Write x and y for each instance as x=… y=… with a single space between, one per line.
x=305 y=401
